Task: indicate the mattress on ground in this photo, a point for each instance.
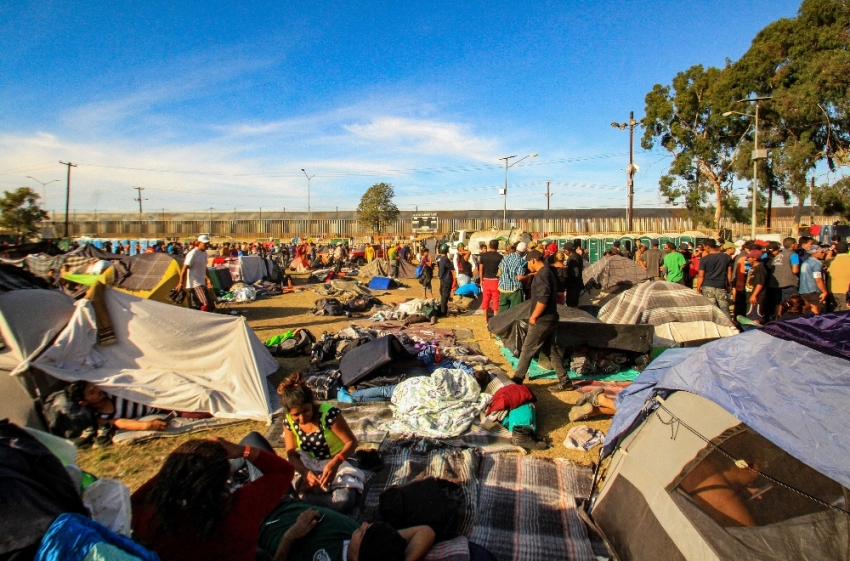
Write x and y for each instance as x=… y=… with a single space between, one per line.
x=369 y=360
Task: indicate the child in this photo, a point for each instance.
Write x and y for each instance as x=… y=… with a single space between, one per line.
x=318 y=443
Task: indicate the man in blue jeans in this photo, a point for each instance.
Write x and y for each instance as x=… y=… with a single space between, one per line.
x=715 y=276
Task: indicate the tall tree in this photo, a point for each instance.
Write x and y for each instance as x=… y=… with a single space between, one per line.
x=20 y=213
x=835 y=198
x=803 y=63
x=686 y=119
x=376 y=208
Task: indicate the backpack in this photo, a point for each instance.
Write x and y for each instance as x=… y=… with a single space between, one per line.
x=66 y=418
x=436 y=503
x=329 y=307
x=360 y=304
x=299 y=344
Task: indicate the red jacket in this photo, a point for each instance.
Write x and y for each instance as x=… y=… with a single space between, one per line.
x=237 y=535
x=510 y=397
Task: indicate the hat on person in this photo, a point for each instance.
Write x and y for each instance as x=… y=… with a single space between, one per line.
x=203 y=238
x=616 y=243
x=382 y=542
x=521 y=247
x=568 y=247
x=552 y=248
x=774 y=246
x=461 y=244
x=755 y=253
x=534 y=255
x=653 y=243
x=728 y=245
x=815 y=248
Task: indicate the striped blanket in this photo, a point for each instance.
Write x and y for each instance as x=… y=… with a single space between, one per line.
x=659 y=302
x=527 y=509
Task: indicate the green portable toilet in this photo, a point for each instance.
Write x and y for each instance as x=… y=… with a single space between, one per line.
x=668 y=238
x=579 y=241
x=628 y=242
x=646 y=239
x=688 y=237
x=608 y=243
x=595 y=249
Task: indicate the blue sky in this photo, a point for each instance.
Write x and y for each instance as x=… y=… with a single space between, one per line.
x=221 y=105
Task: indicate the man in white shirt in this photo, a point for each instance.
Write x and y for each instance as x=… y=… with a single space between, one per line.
x=197 y=283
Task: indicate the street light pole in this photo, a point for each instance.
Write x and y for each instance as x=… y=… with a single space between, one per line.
x=44 y=186
x=309 y=212
x=505 y=191
x=757 y=155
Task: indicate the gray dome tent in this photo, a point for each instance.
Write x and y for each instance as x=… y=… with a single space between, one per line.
x=734 y=450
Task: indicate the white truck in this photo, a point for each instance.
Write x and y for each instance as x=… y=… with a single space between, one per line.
x=472 y=239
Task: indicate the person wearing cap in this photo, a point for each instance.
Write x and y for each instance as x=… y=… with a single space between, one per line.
x=543 y=324
x=783 y=267
x=513 y=270
x=651 y=260
x=445 y=272
x=714 y=276
x=488 y=271
x=197 y=280
x=675 y=264
x=575 y=270
x=755 y=288
x=295 y=530
x=812 y=286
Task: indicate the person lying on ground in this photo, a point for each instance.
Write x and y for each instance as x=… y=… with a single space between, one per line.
x=187 y=510
x=113 y=410
x=319 y=443
x=592 y=404
x=794 y=307
x=295 y=530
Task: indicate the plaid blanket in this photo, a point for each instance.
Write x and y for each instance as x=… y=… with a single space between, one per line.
x=527 y=509
x=612 y=271
x=415 y=458
x=39 y=266
x=658 y=302
x=145 y=271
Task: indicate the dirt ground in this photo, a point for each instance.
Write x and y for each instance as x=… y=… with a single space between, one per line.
x=134 y=464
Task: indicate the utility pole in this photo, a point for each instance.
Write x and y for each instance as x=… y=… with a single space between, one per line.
x=548 y=195
x=632 y=169
x=139 y=199
x=309 y=212
x=67 y=193
x=812 y=201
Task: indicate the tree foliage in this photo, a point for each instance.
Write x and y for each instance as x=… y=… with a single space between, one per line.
x=376 y=208
x=835 y=198
x=20 y=213
x=803 y=65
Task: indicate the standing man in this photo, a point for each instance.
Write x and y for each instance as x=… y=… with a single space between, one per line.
x=198 y=282
x=575 y=270
x=812 y=285
x=444 y=271
x=488 y=271
x=510 y=281
x=675 y=264
x=651 y=261
x=714 y=276
x=783 y=267
x=543 y=324
x=755 y=288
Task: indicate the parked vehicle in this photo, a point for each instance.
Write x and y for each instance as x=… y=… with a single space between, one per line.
x=358 y=256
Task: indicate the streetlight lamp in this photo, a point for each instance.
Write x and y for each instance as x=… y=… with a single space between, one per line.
x=757 y=155
x=43 y=185
x=505 y=190
x=309 y=212
x=633 y=168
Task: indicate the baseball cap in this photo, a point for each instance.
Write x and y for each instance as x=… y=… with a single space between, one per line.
x=773 y=246
x=755 y=253
x=552 y=247
x=568 y=247
x=203 y=238
x=728 y=245
x=653 y=243
x=461 y=244
x=815 y=248
x=616 y=243
x=521 y=246
x=534 y=254
x=382 y=542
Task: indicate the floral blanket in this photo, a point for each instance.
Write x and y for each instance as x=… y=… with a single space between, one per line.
x=442 y=405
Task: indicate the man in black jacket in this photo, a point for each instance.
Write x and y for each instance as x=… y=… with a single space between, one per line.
x=543 y=324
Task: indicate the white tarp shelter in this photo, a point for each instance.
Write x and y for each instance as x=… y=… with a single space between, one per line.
x=165 y=356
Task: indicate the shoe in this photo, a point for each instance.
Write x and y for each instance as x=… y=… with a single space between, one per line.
x=433 y=320
x=517 y=380
x=86 y=438
x=525 y=438
x=562 y=387
x=580 y=412
x=104 y=436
